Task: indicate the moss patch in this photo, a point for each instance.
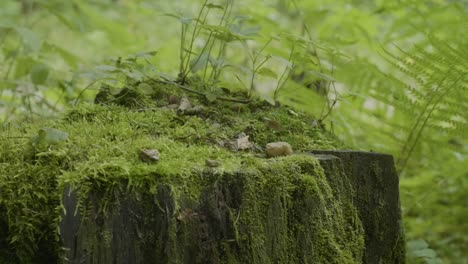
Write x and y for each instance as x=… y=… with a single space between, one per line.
x=265 y=210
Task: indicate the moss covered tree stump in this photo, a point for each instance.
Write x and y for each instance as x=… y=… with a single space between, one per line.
x=141 y=181
x=343 y=209
x=376 y=196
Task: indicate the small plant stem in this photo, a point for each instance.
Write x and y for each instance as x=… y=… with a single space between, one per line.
x=217 y=70
x=195 y=33
x=222 y=48
x=285 y=75
x=254 y=58
x=255 y=70
x=182 y=47
x=84 y=90
x=223 y=21
x=201 y=53
x=327 y=92
x=10 y=65
x=435 y=100
x=330 y=108
x=208 y=60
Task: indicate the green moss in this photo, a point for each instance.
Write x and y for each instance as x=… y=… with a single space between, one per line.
x=273 y=210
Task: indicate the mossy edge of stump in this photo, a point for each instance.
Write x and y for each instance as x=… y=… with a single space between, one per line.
x=354 y=184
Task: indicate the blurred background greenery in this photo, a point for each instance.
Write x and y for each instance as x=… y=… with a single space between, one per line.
x=386 y=76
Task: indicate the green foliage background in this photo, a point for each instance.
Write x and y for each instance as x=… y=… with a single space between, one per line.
x=387 y=76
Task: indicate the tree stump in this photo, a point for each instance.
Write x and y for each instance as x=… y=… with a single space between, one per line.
x=342 y=209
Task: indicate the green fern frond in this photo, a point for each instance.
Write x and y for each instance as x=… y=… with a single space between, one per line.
x=428 y=91
x=440 y=78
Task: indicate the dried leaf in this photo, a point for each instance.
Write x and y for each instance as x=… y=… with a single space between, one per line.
x=149 y=155
x=184 y=104
x=243 y=143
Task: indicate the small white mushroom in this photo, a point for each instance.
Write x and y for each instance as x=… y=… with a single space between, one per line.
x=276 y=149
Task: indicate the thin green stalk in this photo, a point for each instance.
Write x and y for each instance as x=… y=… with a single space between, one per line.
x=222 y=48
x=329 y=105
x=217 y=70
x=285 y=75
x=254 y=59
x=201 y=53
x=208 y=60
x=182 y=47
x=10 y=65
x=195 y=33
x=254 y=72
x=438 y=99
x=306 y=31
x=222 y=21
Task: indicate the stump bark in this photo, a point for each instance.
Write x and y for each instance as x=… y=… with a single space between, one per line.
x=377 y=198
x=352 y=215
